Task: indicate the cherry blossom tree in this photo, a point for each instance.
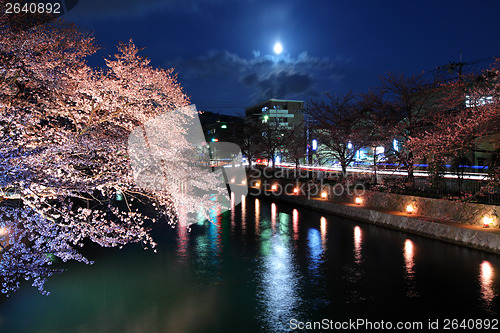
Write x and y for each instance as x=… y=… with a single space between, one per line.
x=466 y=120
x=64 y=160
x=403 y=106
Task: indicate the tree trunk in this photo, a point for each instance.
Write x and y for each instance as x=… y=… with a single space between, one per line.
x=411 y=176
x=343 y=164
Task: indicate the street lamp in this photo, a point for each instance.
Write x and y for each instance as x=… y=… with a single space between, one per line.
x=487 y=221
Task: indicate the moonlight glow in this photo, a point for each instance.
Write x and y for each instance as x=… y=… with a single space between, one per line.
x=278 y=48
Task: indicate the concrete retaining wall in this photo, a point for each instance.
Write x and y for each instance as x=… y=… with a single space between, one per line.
x=460 y=212
x=435 y=209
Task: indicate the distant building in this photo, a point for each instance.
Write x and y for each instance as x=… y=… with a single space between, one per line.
x=220 y=127
x=285 y=113
x=278 y=125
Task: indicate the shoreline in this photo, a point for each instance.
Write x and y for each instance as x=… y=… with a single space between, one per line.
x=470 y=236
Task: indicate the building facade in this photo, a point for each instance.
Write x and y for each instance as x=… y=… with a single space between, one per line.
x=220 y=127
x=285 y=113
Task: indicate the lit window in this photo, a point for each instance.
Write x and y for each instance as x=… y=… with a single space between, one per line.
x=481 y=101
x=379 y=150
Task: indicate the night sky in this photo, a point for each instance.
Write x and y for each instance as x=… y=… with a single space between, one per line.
x=223 y=49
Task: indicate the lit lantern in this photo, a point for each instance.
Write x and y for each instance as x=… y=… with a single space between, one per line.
x=410 y=209
x=324 y=194
x=274 y=187
x=358 y=200
x=232 y=180
x=243 y=182
x=487 y=221
x=257 y=184
x=295 y=190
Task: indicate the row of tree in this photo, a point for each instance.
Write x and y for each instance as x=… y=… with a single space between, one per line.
x=432 y=121
x=65 y=173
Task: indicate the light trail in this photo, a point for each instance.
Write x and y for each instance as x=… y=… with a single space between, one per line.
x=420 y=173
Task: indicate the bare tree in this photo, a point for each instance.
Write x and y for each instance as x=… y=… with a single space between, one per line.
x=249 y=138
x=271 y=139
x=338 y=126
x=295 y=143
x=402 y=106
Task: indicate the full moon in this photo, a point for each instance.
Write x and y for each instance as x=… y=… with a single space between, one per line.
x=278 y=48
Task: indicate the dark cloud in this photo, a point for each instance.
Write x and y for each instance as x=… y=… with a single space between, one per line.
x=123 y=9
x=269 y=76
x=215 y=64
x=280 y=84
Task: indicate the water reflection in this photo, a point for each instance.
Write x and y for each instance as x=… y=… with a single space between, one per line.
x=264 y=283
x=279 y=289
x=357 y=245
x=243 y=214
x=323 y=232
x=208 y=246
x=354 y=274
x=295 y=224
x=257 y=216
x=409 y=253
x=215 y=232
x=274 y=213
x=316 y=241
x=315 y=250
x=487 y=280
x=233 y=222
x=182 y=243
x=182 y=236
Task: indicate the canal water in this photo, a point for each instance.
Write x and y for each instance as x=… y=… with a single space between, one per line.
x=256 y=269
